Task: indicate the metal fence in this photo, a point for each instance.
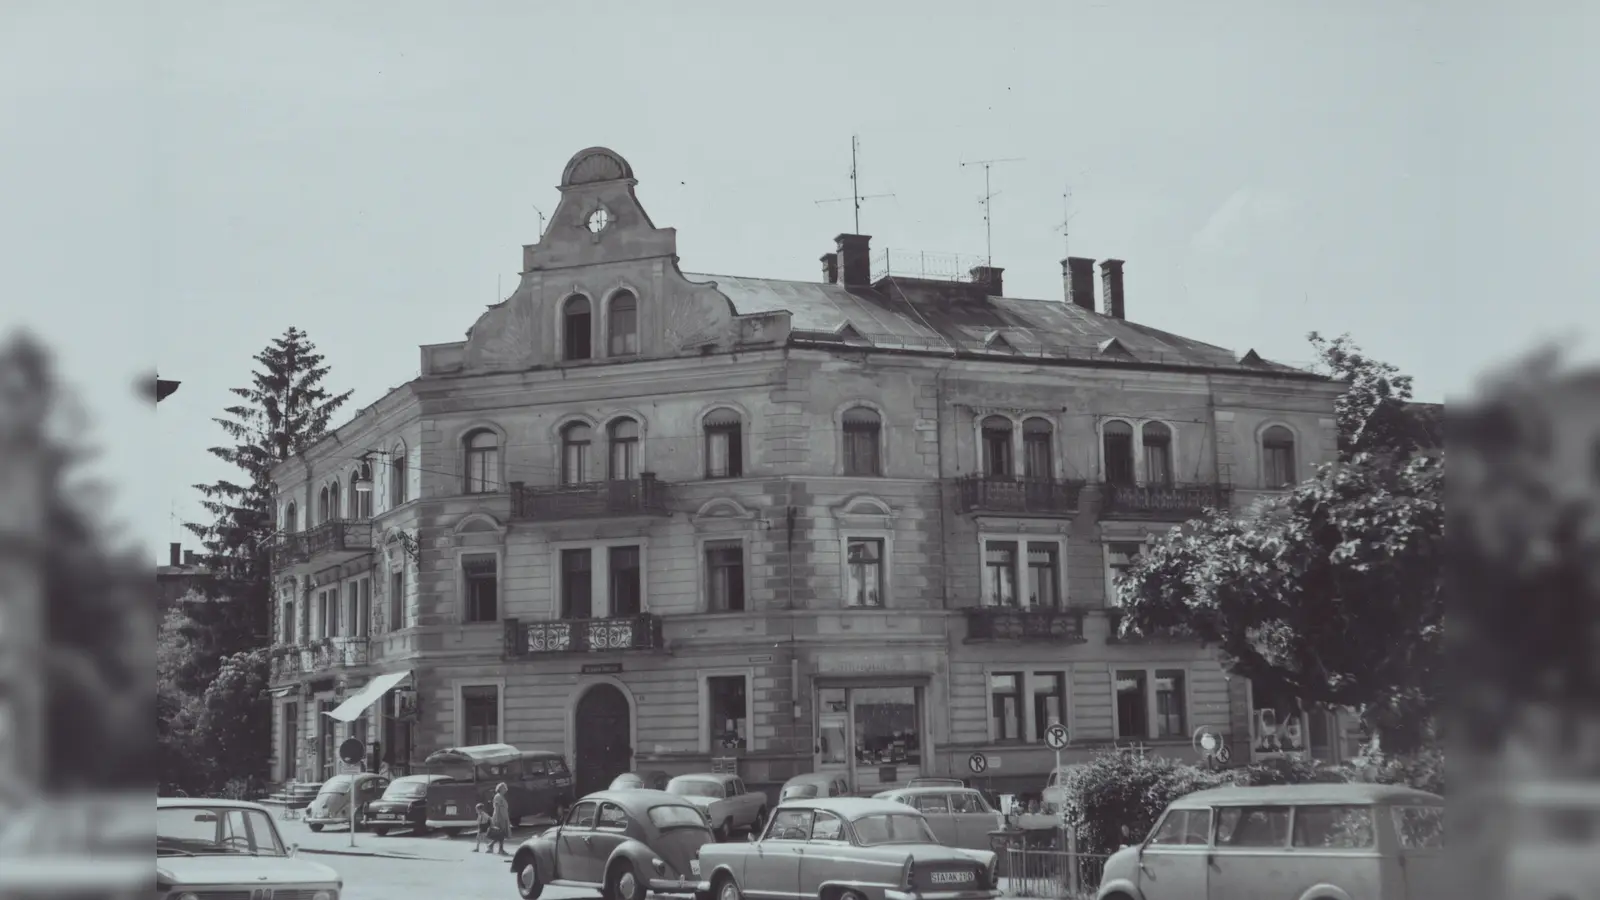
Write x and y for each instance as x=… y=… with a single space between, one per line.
x=1033 y=872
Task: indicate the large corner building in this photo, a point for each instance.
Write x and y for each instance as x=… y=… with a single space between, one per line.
x=866 y=524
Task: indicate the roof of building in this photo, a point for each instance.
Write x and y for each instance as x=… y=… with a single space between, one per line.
x=1308 y=793
x=928 y=315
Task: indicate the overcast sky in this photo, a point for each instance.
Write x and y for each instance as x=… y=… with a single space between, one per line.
x=180 y=182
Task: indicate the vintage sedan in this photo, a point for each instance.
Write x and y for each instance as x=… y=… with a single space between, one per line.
x=403 y=805
x=332 y=803
x=728 y=805
x=959 y=817
x=228 y=848
x=620 y=843
x=847 y=848
x=814 y=784
x=653 y=779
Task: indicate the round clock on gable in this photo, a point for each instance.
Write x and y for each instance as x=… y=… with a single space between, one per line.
x=599 y=219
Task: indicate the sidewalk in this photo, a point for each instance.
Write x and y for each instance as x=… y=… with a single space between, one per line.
x=434 y=847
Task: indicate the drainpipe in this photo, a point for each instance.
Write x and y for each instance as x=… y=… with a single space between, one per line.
x=944 y=534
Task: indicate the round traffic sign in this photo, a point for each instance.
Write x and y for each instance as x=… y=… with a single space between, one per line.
x=352 y=750
x=1222 y=754
x=978 y=763
x=1056 y=736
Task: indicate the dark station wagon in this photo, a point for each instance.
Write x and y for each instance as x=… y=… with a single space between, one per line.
x=538 y=783
x=622 y=844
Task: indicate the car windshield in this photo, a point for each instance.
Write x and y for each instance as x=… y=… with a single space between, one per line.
x=406 y=790
x=337 y=785
x=696 y=788
x=209 y=831
x=893 y=828
x=800 y=792
x=664 y=817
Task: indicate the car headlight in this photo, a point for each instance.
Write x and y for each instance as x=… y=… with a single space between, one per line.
x=659 y=866
x=325 y=895
x=188 y=896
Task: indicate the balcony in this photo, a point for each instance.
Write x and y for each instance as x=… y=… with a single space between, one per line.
x=1164 y=636
x=1008 y=623
x=1172 y=502
x=338 y=537
x=1017 y=496
x=590 y=500
x=321 y=655
x=524 y=639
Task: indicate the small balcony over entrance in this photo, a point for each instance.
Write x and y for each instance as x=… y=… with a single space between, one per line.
x=644 y=496
x=1169 y=502
x=318 y=657
x=331 y=543
x=1004 y=495
x=535 y=639
x=1016 y=624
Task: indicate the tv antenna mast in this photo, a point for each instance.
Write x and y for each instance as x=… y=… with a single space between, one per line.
x=1066 y=221
x=987 y=201
x=855 y=191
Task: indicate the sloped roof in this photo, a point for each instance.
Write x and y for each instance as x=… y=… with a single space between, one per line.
x=912 y=314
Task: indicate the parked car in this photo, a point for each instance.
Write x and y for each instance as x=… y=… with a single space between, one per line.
x=538 y=783
x=621 y=843
x=228 y=848
x=814 y=784
x=959 y=817
x=1051 y=799
x=728 y=806
x=403 y=805
x=935 y=781
x=332 y=803
x=1298 y=840
x=653 y=779
x=846 y=848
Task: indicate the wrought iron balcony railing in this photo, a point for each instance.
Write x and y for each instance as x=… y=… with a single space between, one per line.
x=319 y=656
x=1164 y=636
x=333 y=536
x=1009 y=623
x=1020 y=496
x=1172 y=501
x=589 y=500
x=641 y=632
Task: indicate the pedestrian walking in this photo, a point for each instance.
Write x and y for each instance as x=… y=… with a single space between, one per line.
x=500 y=823
x=483 y=828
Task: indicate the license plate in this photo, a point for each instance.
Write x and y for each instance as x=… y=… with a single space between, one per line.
x=449 y=810
x=391 y=815
x=694 y=867
x=952 y=877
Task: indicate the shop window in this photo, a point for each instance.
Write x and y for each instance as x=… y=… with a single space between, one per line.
x=623 y=324
x=1117 y=440
x=480 y=573
x=576 y=327
x=577 y=584
x=864 y=572
x=724 y=444
x=625 y=581
x=1049 y=701
x=1005 y=702
x=724 y=576
x=888 y=726
x=997 y=447
x=1157 y=453
x=862 y=432
x=726 y=703
x=480 y=714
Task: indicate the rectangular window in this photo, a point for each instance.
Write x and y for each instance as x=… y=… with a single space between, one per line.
x=352 y=609
x=480 y=715
x=724 y=451
x=624 y=329
x=1279 y=464
x=1049 y=701
x=397 y=481
x=1253 y=826
x=288 y=633
x=725 y=703
x=1334 y=827
x=578 y=330
x=577 y=585
x=1043 y=576
x=1157 y=461
x=860 y=449
x=327 y=614
x=1005 y=700
x=627 y=589
x=397 y=600
x=864 y=568
x=724 y=576
x=1133 y=710
x=364 y=608
x=997 y=452
x=1036 y=455
x=1120 y=556
x=1000 y=573
x=1119 y=456
x=1170 y=702
x=480 y=575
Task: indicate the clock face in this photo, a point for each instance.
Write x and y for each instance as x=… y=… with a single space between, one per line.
x=599 y=219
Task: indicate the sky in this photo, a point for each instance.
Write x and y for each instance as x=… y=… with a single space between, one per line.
x=182 y=181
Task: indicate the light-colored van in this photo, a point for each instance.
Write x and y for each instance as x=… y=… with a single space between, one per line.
x=1300 y=841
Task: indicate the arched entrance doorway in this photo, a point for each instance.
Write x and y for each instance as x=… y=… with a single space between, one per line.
x=603 y=744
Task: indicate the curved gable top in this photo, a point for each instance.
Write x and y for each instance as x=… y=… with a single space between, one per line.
x=594 y=165
x=478 y=523
x=864 y=505
x=723 y=508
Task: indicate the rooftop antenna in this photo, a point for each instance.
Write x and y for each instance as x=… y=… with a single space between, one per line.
x=541 y=220
x=1066 y=221
x=988 y=198
x=855 y=191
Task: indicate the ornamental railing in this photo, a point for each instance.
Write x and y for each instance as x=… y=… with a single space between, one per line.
x=1174 y=501
x=644 y=496
x=1021 y=496
x=1009 y=623
x=641 y=632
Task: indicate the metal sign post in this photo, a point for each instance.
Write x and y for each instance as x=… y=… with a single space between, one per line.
x=350 y=752
x=1056 y=737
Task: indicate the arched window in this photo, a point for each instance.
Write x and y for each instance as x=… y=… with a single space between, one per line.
x=1277 y=457
x=1157 y=453
x=335 y=508
x=724 y=443
x=623 y=324
x=575 y=440
x=483 y=462
x=577 y=327
x=324 y=510
x=623 y=436
x=291 y=518
x=1117 y=440
x=397 y=476
x=1036 y=450
x=361 y=501
x=862 y=428
x=997 y=447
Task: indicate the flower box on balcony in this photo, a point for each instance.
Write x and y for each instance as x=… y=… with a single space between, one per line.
x=641 y=632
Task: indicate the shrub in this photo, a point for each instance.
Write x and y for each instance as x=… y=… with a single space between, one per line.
x=1116 y=798
x=1290 y=770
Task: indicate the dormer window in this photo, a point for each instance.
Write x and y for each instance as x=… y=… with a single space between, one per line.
x=623 y=325
x=577 y=326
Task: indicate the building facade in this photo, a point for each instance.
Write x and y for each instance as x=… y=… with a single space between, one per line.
x=866 y=524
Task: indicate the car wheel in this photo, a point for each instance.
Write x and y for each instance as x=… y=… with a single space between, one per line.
x=528 y=885
x=380 y=831
x=725 y=831
x=849 y=895
x=728 y=889
x=315 y=827
x=625 y=883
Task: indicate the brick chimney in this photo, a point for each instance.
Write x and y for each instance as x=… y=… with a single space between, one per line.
x=855 y=260
x=174 y=553
x=830 y=268
x=989 y=277
x=1111 y=289
x=1077 y=276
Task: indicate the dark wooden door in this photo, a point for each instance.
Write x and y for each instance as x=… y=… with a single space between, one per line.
x=604 y=741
